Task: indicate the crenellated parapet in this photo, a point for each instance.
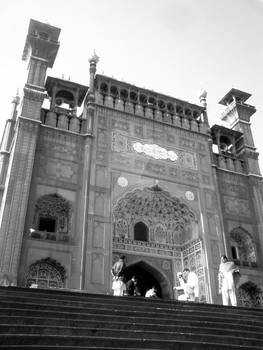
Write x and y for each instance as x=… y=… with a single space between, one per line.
x=148 y=104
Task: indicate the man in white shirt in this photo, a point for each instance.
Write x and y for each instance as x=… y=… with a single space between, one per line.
x=226 y=281
x=189 y=283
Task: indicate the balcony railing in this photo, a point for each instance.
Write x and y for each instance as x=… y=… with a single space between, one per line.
x=229 y=163
x=63 y=120
x=49 y=236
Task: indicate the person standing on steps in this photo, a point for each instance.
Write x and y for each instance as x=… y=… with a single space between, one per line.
x=189 y=283
x=117 y=270
x=226 y=281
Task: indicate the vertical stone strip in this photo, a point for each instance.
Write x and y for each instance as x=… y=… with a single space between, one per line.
x=14 y=206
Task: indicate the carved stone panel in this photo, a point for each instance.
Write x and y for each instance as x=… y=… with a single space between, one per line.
x=58 y=169
x=212 y=220
x=210 y=199
x=153 y=151
x=100 y=203
x=97 y=268
x=98 y=238
x=101 y=175
x=215 y=252
x=236 y=206
x=102 y=138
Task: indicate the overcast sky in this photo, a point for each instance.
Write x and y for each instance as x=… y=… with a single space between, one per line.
x=175 y=47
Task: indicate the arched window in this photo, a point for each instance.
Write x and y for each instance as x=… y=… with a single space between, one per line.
x=234 y=252
x=140 y=232
x=51 y=220
x=242 y=245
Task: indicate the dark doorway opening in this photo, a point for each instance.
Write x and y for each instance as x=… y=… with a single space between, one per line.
x=145 y=279
x=140 y=232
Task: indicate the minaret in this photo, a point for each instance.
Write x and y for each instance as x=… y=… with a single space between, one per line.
x=89 y=114
x=41 y=47
x=202 y=99
x=237 y=115
x=88 y=111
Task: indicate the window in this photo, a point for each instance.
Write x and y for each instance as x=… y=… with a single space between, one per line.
x=47 y=224
x=234 y=252
x=140 y=232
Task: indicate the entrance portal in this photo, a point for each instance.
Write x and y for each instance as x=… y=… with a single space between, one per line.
x=147 y=277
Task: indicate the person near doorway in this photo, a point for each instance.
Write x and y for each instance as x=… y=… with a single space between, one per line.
x=119 y=287
x=226 y=281
x=189 y=283
x=132 y=287
x=117 y=271
x=151 y=293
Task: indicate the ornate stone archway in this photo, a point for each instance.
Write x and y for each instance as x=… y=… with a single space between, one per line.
x=172 y=235
x=167 y=218
x=159 y=280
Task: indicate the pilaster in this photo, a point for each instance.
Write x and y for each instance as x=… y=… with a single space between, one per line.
x=14 y=203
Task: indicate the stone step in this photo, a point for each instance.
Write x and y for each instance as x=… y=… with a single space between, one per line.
x=131 y=312
x=178 y=324
x=167 y=332
x=55 y=319
x=99 y=299
x=87 y=303
x=181 y=342
x=118 y=316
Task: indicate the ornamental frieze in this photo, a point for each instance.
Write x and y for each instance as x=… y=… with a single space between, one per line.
x=123 y=144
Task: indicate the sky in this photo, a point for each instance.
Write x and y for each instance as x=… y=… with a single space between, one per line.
x=175 y=47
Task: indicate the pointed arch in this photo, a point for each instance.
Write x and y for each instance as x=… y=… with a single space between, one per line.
x=162 y=281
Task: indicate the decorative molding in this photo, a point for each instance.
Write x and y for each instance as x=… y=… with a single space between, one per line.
x=33 y=94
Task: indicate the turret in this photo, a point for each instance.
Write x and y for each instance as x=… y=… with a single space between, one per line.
x=41 y=47
x=237 y=115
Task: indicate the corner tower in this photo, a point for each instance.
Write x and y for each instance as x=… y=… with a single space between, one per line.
x=41 y=48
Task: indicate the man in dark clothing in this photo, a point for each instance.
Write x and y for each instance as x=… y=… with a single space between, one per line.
x=132 y=287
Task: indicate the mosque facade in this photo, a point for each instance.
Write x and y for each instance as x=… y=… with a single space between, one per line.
x=137 y=173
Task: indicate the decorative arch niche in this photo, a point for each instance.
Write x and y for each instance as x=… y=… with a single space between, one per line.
x=242 y=245
x=167 y=218
x=46 y=273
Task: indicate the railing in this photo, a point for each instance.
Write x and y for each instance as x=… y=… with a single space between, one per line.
x=49 y=236
x=229 y=163
x=167 y=116
x=60 y=120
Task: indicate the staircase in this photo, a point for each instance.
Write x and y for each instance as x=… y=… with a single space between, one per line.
x=55 y=319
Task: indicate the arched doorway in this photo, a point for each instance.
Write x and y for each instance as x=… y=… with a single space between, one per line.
x=148 y=277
